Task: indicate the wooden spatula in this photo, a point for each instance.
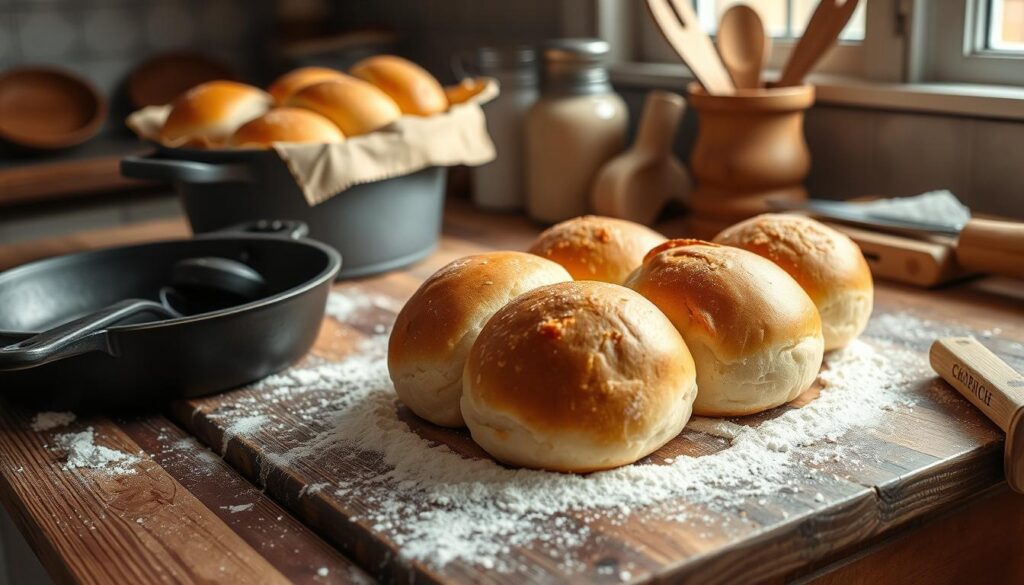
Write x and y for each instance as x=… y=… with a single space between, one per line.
x=992 y=386
x=821 y=34
x=678 y=23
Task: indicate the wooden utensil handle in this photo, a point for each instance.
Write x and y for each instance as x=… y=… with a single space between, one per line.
x=662 y=112
x=995 y=247
x=992 y=386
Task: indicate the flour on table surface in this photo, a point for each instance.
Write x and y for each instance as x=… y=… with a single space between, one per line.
x=439 y=506
x=46 y=421
x=82 y=452
x=238 y=509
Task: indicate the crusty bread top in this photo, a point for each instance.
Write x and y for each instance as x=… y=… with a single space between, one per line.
x=582 y=357
x=210 y=112
x=412 y=87
x=820 y=258
x=286 y=125
x=597 y=248
x=456 y=301
x=286 y=85
x=354 y=105
x=739 y=301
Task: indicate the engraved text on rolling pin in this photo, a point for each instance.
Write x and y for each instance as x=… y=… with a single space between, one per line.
x=973 y=384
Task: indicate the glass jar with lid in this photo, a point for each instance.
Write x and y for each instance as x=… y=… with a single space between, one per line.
x=500 y=184
x=577 y=125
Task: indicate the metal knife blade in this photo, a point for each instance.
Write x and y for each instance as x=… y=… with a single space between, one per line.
x=850 y=213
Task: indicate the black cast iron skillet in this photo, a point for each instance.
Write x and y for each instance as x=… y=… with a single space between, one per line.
x=130 y=364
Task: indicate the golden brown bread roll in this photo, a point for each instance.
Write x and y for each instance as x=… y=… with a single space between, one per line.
x=415 y=90
x=827 y=264
x=288 y=84
x=437 y=326
x=754 y=334
x=286 y=125
x=353 y=105
x=209 y=113
x=464 y=91
x=597 y=248
x=577 y=377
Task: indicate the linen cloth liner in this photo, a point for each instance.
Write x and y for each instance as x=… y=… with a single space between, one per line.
x=322 y=171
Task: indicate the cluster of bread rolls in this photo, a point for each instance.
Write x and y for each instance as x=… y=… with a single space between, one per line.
x=310 y=104
x=587 y=374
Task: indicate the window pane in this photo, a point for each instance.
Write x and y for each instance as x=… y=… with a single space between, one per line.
x=803 y=9
x=782 y=18
x=1006 y=25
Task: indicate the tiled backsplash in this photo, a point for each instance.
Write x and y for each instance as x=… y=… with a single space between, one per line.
x=103 y=40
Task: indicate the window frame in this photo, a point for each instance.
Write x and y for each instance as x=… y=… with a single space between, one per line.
x=968 y=60
x=901 y=45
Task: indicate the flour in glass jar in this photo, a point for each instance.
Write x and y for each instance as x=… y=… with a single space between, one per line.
x=440 y=507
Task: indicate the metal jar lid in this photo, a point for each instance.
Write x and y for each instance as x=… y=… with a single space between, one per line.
x=575 y=66
x=506 y=58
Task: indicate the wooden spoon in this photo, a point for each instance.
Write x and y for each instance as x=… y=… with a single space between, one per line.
x=743 y=45
x=678 y=23
x=821 y=34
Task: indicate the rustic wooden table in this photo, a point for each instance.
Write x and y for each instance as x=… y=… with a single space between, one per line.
x=924 y=502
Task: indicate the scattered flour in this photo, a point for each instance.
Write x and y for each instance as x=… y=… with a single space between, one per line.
x=240 y=428
x=237 y=509
x=343 y=306
x=45 y=421
x=323 y=572
x=313 y=488
x=439 y=506
x=83 y=452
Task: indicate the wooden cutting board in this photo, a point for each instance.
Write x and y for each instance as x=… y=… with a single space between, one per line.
x=914 y=463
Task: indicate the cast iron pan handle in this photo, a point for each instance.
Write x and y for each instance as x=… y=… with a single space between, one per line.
x=82 y=335
x=182 y=171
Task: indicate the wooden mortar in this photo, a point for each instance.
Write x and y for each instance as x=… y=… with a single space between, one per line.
x=750 y=148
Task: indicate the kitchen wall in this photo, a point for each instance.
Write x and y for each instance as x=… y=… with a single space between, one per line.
x=104 y=39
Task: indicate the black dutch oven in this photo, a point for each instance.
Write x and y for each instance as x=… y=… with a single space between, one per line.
x=375 y=226
x=50 y=360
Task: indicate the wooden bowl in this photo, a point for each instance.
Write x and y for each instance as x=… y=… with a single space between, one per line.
x=48 y=108
x=162 y=78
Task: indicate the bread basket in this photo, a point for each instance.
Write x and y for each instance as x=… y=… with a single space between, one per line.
x=376 y=198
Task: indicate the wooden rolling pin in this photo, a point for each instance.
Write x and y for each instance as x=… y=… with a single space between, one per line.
x=992 y=386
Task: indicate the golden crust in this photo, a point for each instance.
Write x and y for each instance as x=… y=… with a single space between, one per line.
x=823 y=260
x=412 y=87
x=354 y=105
x=597 y=248
x=288 y=84
x=457 y=298
x=286 y=125
x=581 y=358
x=735 y=298
x=209 y=113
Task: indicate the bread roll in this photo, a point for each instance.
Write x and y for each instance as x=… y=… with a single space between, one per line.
x=352 y=104
x=597 y=248
x=414 y=89
x=286 y=125
x=464 y=91
x=826 y=263
x=209 y=113
x=288 y=84
x=754 y=334
x=437 y=326
x=577 y=377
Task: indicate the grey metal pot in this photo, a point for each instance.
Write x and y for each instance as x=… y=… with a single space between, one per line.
x=376 y=226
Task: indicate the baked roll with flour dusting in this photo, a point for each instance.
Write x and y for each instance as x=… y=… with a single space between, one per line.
x=592 y=247
x=754 y=334
x=828 y=265
x=437 y=326
x=577 y=377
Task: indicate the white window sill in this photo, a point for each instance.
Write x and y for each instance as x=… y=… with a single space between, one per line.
x=957 y=99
